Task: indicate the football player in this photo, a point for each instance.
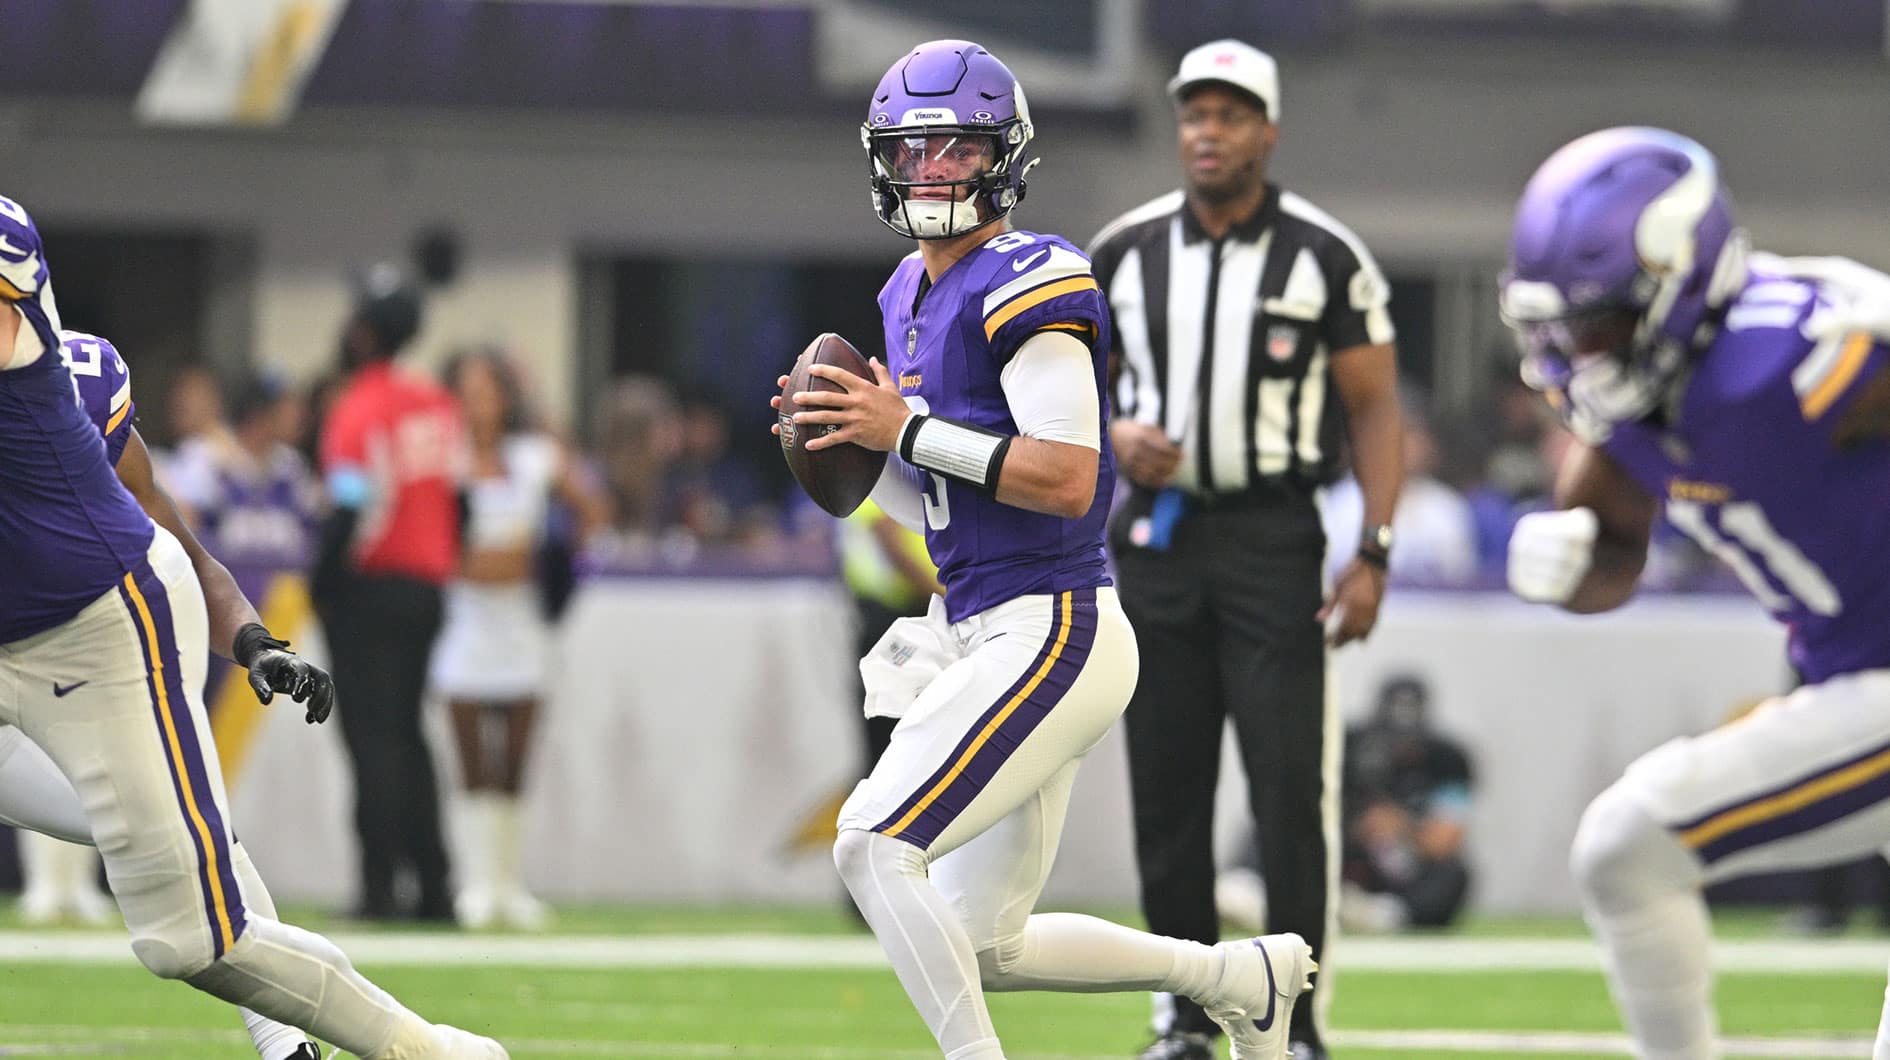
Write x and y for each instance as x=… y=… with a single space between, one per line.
x=104 y=637
x=1725 y=389
x=991 y=406
x=34 y=795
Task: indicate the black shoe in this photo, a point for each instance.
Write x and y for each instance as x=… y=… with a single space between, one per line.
x=1307 y=1051
x=380 y=908
x=1179 y=1045
x=305 y=1051
x=435 y=909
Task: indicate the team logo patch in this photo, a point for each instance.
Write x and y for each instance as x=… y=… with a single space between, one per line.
x=1282 y=342
x=787 y=430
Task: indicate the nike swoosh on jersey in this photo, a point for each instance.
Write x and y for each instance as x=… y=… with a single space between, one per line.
x=1024 y=263
x=60 y=692
x=6 y=246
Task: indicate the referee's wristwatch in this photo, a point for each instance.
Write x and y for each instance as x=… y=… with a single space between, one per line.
x=1374 y=545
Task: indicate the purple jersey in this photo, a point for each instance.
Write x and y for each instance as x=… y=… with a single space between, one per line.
x=946 y=344
x=104 y=383
x=1750 y=472
x=69 y=530
x=254 y=513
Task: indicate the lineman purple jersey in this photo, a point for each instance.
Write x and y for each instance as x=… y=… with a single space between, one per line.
x=1752 y=475
x=104 y=383
x=69 y=531
x=946 y=346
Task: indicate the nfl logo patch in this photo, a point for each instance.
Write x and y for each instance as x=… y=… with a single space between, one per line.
x=1282 y=341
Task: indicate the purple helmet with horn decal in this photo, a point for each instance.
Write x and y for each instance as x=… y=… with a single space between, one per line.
x=947 y=139
x=1623 y=257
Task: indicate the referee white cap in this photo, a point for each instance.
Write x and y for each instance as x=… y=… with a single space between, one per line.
x=1231 y=62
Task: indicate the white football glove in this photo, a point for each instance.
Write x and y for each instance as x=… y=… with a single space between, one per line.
x=1550 y=552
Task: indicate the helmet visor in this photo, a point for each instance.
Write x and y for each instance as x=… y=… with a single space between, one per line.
x=951 y=162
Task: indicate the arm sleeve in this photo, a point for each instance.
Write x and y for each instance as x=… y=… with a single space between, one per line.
x=899 y=494
x=1050 y=385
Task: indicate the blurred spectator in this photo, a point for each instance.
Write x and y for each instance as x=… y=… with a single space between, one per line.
x=60 y=882
x=638 y=439
x=391 y=454
x=1405 y=806
x=1433 y=527
x=254 y=496
x=194 y=406
x=712 y=492
x=491 y=660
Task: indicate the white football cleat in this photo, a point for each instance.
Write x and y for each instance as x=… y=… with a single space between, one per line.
x=522 y=911
x=1262 y=979
x=476 y=908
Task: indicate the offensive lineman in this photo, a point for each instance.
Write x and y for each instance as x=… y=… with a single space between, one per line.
x=103 y=641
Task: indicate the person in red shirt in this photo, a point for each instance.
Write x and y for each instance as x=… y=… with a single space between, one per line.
x=390 y=457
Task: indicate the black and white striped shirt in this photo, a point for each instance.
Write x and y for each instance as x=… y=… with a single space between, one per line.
x=1227 y=344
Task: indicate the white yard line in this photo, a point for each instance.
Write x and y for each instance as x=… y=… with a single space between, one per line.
x=1430 y=955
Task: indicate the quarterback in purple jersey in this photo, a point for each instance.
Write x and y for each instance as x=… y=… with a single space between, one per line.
x=1747 y=397
x=990 y=403
x=104 y=637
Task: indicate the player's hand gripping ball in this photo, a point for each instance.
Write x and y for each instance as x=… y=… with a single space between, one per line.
x=837 y=477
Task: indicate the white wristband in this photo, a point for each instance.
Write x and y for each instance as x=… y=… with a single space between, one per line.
x=953 y=449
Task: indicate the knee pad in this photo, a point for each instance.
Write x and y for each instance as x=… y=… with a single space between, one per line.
x=1622 y=859
x=860 y=855
x=168 y=959
x=165 y=914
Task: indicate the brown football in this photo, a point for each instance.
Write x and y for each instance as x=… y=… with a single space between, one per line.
x=839 y=477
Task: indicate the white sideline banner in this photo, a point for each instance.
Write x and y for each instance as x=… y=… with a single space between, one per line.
x=695 y=726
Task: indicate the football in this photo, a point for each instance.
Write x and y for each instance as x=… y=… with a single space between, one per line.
x=838 y=478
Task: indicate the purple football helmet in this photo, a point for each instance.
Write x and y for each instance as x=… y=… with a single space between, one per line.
x=25 y=282
x=1623 y=257
x=947 y=140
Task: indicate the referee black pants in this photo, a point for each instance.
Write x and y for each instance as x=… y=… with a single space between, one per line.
x=380 y=632
x=1224 y=620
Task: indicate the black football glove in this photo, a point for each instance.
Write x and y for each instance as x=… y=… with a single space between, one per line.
x=273 y=668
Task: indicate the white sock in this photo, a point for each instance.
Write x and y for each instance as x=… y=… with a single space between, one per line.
x=479 y=836
x=928 y=947
x=1659 y=973
x=272 y=1039
x=506 y=844
x=1071 y=953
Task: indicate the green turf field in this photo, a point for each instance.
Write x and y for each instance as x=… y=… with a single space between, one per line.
x=102 y=1005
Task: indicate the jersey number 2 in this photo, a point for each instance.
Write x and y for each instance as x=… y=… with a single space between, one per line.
x=1754 y=548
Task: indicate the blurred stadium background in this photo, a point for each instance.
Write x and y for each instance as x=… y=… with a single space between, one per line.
x=650 y=207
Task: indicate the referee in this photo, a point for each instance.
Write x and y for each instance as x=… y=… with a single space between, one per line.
x=1243 y=316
